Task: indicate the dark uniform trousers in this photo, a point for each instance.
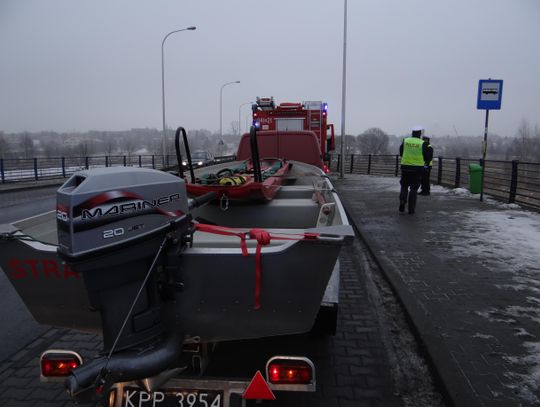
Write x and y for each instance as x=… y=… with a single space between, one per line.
x=426 y=173
x=411 y=177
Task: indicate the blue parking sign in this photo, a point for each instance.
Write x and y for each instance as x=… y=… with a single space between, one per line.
x=489 y=94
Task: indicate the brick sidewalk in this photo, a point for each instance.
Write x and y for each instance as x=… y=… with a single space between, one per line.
x=459 y=303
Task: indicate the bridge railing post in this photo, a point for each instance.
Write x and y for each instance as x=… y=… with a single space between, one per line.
x=396 y=169
x=369 y=164
x=513 y=182
x=63 y=159
x=2 y=170
x=439 y=170
x=457 y=179
x=35 y=169
x=352 y=164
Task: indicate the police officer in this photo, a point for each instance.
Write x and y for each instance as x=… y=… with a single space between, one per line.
x=425 y=186
x=413 y=158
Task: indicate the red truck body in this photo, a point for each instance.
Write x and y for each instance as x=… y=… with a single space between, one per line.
x=291 y=117
x=290 y=145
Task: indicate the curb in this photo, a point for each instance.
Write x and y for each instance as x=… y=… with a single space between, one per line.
x=454 y=385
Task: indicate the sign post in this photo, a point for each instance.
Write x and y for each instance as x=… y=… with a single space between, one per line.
x=489 y=98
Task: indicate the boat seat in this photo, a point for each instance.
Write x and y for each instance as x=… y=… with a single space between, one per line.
x=302 y=192
x=297 y=213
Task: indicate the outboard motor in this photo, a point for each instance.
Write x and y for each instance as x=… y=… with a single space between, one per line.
x=112 y=222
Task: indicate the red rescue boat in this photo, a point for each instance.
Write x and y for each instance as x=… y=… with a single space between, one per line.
x=240 y=181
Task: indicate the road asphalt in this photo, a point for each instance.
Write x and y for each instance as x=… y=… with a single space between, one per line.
x=28 y=185
x=473 y=304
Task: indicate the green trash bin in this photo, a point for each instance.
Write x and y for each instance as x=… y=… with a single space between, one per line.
x=475 y=178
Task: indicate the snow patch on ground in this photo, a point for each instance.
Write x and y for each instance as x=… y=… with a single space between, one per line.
x=522 y=333
x=482 y=336
x=495 y=315
x=392 y=184
x=509 y=237
x=529 y=383
x=461 y=192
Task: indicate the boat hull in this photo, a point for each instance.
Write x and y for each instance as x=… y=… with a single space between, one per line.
x=215 y=283
x=218 y=295
x=218 y=302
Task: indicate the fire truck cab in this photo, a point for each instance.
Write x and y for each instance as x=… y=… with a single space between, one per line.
x=309 y=115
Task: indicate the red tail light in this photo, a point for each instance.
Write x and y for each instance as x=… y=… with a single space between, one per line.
x=290 y=372
x=59 y=363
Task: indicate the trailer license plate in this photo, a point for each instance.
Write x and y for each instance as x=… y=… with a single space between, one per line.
x=173 y=397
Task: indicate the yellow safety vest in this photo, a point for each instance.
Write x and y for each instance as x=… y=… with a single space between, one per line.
x=412 y=152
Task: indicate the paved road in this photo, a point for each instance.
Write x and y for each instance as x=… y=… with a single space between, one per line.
x=16 y=205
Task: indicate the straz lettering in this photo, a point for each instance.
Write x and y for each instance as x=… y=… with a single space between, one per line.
x=40 y=268
x=119 y=209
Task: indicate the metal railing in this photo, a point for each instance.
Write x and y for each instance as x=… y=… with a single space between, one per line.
x=508 y=181
x=36 y=169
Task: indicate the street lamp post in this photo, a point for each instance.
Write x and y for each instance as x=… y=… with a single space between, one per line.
x=343 y=93
x=221 y=111
x=163 y=78
x=239 y=118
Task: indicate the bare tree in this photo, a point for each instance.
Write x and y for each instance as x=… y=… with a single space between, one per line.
x=350 y=144
x=235 y=126
x=85 y=148
x=534 y=146
x=373 y=141
x=523 y=142
x=27 y=145
x=526 y=146
x=129 y=145
x=4 y=146
x=52 y=149
x=110 y=145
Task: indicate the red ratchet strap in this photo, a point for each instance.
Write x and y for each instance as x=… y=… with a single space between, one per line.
x=220 y=230
x=263 y=238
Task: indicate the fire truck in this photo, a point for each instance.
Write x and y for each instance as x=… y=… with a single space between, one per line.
x=309 y=115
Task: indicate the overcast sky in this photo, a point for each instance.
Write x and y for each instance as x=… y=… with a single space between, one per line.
x=70 y=65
